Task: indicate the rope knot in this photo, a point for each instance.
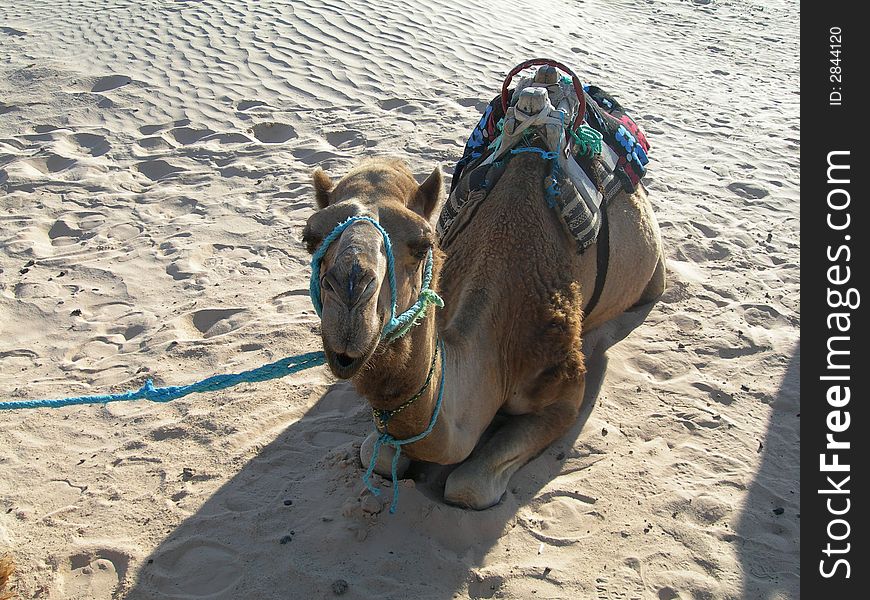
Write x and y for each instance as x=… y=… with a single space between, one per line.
x=432 y=297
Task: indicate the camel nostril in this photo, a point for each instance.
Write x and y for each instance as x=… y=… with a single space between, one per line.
x=328 y=284
x=344 y=360
x=350 y=290
x=361 y=288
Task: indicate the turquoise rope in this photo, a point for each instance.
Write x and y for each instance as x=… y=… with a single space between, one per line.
x=317 y=257
x=280 y=368
x=587 y=140
x=412 y=316
x=396 y=327
x=386 y=438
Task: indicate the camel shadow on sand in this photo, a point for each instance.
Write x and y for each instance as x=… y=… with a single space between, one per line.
x=768 y=528
x=293 y=523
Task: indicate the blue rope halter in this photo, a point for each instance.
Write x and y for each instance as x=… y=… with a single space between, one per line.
x=395 y=328
x=388 y=440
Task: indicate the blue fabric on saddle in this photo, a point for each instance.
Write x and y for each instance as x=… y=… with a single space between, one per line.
x=620 y=166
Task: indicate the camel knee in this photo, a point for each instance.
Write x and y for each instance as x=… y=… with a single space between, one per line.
x=482 y=480
x=471 y=486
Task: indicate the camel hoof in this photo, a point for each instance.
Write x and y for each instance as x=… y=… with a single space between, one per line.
x=383 y=466
x=470 y=493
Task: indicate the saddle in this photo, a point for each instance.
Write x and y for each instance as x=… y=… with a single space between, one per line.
x=594 y=147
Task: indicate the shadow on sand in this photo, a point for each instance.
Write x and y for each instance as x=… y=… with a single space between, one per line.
x=246 y=541
x=769 y=526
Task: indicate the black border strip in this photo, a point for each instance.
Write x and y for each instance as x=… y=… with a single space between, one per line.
x=832 y=262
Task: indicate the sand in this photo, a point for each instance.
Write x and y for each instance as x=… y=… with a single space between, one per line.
x=155 y=158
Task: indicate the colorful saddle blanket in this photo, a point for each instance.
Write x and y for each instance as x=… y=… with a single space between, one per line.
x=622 y=165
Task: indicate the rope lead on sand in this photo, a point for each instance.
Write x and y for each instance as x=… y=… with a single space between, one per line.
x=280 y=368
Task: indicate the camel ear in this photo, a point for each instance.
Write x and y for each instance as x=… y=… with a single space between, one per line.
x=428 y=196
x=322 y=187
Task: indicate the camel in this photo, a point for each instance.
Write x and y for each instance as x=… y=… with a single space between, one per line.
x=513 y=287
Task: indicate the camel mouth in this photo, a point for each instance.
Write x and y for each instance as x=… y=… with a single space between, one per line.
x=344 y=361
x=345 y=366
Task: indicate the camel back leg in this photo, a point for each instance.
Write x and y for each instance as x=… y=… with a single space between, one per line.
x=657 y=284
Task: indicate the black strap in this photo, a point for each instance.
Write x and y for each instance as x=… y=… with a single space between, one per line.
x=603 y=259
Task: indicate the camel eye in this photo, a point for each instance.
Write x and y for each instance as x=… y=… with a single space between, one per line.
x=311 y=240
x=418 y=248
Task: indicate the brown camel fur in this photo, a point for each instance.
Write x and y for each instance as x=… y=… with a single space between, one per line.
x=513 y=286
x=7 y=567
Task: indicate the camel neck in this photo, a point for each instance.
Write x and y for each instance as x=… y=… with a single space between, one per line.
x=382 y=416
x=398 y=373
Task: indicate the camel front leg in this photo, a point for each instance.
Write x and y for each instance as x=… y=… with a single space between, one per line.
x=481 y=481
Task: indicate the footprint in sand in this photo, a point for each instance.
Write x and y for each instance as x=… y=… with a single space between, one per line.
x=49 y=163
x=90 y=143
x=659 y=367
x=348 y=138
x=707 y=509
x=154 y=142
x=62 y=229
x=188 y=135
x=229 y=138
x=273 y=133
x=156 y=170
x=124 y=231
x=244 y=105
x=216 y=321
x=392 y=103
x=715 y=394
x=132 y=331
x=112 y=82
x=92 y=574
x=314 y=157
x=749 y=191
x=708 y=231
x=763 y=315
x=12 y=32
x=196 y=568
x=562 y=518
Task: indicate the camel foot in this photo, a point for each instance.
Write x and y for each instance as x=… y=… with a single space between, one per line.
x=468 y=487
x=383 y=465
x=481 y=481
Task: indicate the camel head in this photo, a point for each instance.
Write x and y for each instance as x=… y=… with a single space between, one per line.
x=354 y=290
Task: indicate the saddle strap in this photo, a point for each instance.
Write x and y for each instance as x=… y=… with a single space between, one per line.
x=602 y=259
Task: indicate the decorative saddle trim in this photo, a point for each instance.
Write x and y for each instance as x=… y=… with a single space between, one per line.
x=606 y=131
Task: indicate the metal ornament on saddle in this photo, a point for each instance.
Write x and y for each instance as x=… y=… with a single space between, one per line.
x=543 y=115
x=567 y=124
